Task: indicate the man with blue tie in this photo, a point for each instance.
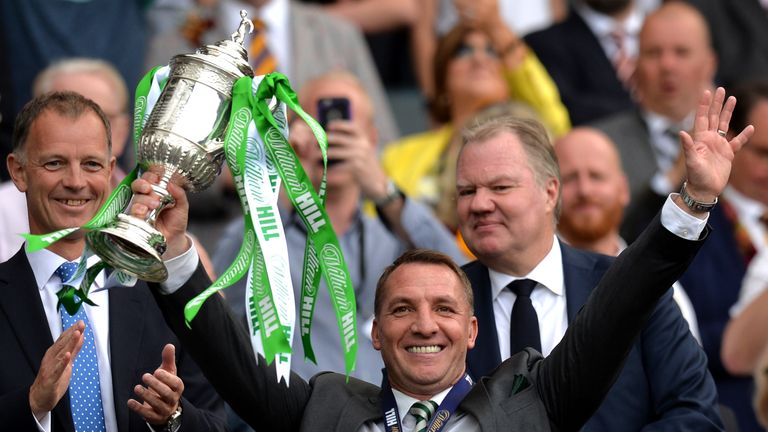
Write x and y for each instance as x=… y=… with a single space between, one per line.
x=77 y=370
x=529 y=286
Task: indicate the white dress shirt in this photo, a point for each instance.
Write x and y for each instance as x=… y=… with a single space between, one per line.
x=548 y=298
x=44 y=263
x=756 y=278
x=749 y=212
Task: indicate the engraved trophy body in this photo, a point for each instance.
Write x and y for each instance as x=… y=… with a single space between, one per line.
x=182 y=141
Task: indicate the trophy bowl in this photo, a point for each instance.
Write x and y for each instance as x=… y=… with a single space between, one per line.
x=182 y=141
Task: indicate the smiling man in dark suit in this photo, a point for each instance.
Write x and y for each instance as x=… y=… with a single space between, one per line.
x=62 y=161
x=508 y=205
x=424 y=321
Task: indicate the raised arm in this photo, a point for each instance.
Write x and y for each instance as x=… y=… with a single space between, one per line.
x=573 y=380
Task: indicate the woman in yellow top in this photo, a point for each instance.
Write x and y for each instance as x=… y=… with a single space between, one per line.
x=475 y=67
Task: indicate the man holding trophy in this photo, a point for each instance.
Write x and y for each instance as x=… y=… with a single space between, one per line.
x=424 y=325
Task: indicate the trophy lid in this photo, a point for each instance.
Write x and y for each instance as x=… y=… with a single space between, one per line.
x=229 y=55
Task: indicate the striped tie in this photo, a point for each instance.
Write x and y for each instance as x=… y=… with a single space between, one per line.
x=422 y=411
x=84 y=388
x=262 y=60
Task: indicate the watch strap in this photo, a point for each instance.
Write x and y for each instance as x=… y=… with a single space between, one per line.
x=694 y=205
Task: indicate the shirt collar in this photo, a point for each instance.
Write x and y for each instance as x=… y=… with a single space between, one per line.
x=745 y=207
x=602 y=25
x=658 y=123
x=548 y=273
x=45 y=262
x=404 y=402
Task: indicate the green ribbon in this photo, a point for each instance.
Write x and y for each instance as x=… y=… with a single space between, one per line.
x=310 y=207
x=72 y=299
x=322 y=251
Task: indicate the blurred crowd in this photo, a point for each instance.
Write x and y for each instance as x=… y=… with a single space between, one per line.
x=614 y=82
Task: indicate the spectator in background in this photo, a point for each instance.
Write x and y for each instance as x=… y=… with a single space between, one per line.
x=595 y=193
x=591 y=56
x=35 y=33
x=95 y=79
x=474 y=68
x=674 y=65
x=726 y=275
x=739 y=36
x=369 y=243
x=438 y=17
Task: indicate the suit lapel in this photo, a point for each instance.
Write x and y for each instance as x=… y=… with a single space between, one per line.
x=480 y=362
x=18 y=287
x=580 y=278
x=359 y=410
x=126 y=307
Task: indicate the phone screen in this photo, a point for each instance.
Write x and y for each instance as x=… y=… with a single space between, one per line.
x=330 y=109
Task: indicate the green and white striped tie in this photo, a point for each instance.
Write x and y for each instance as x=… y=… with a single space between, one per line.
x=422 y=411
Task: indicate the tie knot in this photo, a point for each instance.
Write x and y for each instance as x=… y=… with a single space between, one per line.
x=522 y=287
x=66 y=271
x=422 y=411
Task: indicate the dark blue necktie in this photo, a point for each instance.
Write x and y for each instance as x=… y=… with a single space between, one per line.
x=524 y=325
x=84 y=388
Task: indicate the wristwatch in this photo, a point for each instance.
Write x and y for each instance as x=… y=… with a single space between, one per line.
x=393 y=193
x=174 y=423
x=694 y=205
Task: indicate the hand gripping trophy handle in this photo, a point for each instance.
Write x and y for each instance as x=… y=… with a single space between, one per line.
x=182 y=141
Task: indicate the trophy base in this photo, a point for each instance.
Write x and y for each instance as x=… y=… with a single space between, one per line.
x=131 y=245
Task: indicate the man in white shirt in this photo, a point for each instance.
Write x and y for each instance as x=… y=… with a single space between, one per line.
x=529 y=287
x=62 y=161
x=424 y=321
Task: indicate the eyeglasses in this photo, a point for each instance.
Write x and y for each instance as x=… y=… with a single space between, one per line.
x=467 y=50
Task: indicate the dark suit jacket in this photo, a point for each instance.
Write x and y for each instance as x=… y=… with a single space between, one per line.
x=137 y=335
x=712 y=282
x=577 y=63
x=740 y=37
x=664 y=383
x=562 y=390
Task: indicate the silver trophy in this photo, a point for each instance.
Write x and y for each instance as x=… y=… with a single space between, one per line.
x=183 y=142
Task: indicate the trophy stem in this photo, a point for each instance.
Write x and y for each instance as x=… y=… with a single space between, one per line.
x=165 y=197
x=134 y=245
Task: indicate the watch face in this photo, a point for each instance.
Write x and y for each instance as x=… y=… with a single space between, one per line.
x=174 y=422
